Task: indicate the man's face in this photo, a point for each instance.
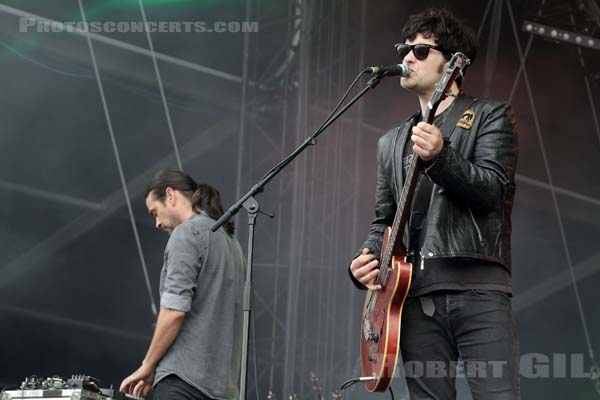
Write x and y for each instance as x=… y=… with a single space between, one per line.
x=424 y=74
x=163 y=212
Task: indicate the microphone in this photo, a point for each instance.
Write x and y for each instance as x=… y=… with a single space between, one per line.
x=390 y=70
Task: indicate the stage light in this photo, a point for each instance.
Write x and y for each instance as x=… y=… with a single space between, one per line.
x=559 y=34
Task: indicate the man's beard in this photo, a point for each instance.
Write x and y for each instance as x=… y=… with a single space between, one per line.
x=174 y=222
x=441 y=68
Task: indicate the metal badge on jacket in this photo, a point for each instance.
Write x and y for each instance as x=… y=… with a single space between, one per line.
x=466 y=120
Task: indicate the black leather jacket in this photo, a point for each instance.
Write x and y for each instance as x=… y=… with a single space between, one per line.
x=473 y=176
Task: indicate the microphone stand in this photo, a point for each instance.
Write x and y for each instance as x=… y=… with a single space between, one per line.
x=249 y=203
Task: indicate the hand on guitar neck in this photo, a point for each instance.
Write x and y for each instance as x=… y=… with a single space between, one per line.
x=428 y=141
x=364 y=269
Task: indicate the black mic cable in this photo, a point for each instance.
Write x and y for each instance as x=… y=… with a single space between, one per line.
x=337 y=107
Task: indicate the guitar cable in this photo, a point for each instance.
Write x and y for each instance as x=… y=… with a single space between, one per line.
x=353 y=381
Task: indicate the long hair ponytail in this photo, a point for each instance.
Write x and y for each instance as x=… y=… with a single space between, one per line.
x=204 y=197
x=208 y=199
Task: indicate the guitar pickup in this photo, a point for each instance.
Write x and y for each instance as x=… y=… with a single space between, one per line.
x=368 y=332
x=367 y=329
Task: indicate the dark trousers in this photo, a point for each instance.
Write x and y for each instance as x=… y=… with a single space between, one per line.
x=173 y=388
x=475 y=326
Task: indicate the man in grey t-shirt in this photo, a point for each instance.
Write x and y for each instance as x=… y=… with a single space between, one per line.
x=195 y=352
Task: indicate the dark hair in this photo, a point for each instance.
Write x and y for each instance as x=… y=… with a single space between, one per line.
x=203 y=197
x=449 y=32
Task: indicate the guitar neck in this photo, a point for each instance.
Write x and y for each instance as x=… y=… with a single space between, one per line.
x=404 y=203
x=406 y=198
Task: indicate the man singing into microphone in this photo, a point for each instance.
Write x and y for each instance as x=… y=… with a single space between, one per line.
x=459 y=303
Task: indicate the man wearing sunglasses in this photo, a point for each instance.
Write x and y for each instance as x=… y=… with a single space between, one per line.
x=458 y=236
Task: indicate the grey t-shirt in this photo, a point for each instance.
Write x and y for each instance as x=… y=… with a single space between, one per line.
x=203 y=276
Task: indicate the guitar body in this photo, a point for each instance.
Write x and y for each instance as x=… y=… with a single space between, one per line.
x=380 y=336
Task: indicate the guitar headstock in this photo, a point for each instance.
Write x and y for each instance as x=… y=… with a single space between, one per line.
x=452 y=70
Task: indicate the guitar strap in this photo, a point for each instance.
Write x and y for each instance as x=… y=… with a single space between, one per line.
x=461 y=104
x=420 y=205
x=421 y=208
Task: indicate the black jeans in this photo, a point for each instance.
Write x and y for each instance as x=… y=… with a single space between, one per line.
x=475 y=326
x=173 y=388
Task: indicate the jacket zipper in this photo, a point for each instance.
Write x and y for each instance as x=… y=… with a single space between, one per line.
x=422 y=255
x=476 y=226
x=422 y=262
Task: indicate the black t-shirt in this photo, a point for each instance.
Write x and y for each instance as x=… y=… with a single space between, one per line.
x=433 y=274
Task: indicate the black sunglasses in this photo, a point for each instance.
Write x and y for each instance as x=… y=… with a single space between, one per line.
x=420 y=50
